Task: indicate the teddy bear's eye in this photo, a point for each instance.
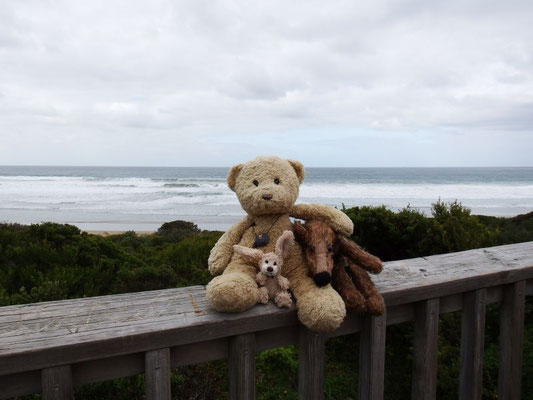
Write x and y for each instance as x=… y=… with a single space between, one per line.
x=275 y=263
x=276 y=181
x=255 y=182
x=266 y=261
x=330 y=248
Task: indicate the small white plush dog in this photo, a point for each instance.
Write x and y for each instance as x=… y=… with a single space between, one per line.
x=271 y=284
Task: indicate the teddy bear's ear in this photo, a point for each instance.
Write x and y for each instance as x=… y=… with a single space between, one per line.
x=298 y=168
x=232 y=175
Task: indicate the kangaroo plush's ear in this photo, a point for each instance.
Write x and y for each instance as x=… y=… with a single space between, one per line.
x=232 y=176
x=250 y=255
x=284 y=244
x=366 y=260
x=299 y=169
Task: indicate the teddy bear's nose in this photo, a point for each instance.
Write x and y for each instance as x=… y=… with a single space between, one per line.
x=270 y=269
x=267 y=196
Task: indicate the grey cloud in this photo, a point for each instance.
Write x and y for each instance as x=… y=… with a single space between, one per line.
x=197 y=70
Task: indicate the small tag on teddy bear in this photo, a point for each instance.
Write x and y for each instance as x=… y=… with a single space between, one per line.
x=260 y=240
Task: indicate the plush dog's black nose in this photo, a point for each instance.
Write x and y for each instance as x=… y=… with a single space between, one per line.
x=270 y=269
x=322 y=278
x=267 y=196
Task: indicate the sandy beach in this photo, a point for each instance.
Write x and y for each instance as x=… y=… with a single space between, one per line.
x=111 y=233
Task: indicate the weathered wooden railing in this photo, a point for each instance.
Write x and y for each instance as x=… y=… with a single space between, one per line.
x=55 y=346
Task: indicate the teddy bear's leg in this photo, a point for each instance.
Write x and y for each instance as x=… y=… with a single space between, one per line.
x=374 y=302
x=342 y=283
x=319 y=308
x=263 y=294
x=283 y=299
x=235 y=290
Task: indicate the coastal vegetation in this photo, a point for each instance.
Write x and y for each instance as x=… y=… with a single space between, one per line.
x=51 y=261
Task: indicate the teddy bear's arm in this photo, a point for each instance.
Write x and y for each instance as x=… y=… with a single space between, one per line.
x=339 y=221
x=221 y=253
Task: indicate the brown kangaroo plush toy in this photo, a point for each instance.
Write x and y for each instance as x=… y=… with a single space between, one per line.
x=271 y=284
x=333 y=258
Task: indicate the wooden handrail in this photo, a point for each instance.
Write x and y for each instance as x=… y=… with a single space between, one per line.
x=55 y=346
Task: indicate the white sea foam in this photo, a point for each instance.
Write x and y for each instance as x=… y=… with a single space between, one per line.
x=39 y=198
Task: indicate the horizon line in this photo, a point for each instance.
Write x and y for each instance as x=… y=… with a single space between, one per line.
x=206 y=166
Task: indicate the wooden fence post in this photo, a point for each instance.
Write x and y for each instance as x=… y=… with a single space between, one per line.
x=157 y=374
x=472 y=344
x=372 y=357
x=242 y=367
x=311 y=359
x=424 y=380
x=511 y=339
x=56 y=383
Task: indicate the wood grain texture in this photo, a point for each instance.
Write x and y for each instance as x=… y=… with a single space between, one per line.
x=157 y=374
x=241 y=365
x=425 y=341
x=57 y=383
x=372 y=357
x=472 y=345
x=311 y=355
x=511 y=339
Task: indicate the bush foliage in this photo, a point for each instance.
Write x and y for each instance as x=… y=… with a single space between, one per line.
x=51 y=261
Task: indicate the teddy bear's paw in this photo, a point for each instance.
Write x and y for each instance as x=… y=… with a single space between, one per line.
x=232 y=292
x=283 y=300
x=321 y=310
x=263 y=295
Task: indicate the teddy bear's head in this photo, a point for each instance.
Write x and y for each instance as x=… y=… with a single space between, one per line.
x=266 y=185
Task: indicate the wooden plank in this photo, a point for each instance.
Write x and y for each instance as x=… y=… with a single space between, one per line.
x=241 y=366
x=157 y=374
x=74 y=331
x=311 y=356
x=143 y=336
x=425 y=345
x=108 y=368
x=511 y=339
x=372 y=357
x=472 y=345
x=412 y=280
x=57 y=383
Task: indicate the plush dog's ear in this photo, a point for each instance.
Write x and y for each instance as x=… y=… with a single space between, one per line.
x=366 y=260
x=250 y=255
x=284 y=244
x=232 y=176
x=298 y=168
x=300 y=232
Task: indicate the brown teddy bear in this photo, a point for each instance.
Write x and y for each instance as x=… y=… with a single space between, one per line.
x=267 y=188
x=271 y=284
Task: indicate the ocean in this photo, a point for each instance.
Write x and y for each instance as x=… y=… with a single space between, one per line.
x=142 y=198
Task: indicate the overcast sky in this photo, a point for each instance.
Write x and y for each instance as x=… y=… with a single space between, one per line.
x=330 y=83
